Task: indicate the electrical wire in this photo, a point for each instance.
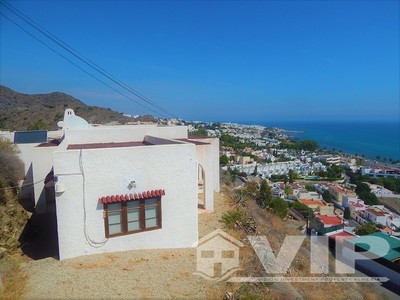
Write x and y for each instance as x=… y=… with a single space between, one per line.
x=79 y=67
x=91 y=242
x=23 y=185
x=82 y=58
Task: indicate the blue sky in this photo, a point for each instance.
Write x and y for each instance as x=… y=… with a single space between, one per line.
x=217 y=60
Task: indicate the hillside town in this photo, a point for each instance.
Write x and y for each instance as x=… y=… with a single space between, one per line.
x=316 y=178
x=342 y=197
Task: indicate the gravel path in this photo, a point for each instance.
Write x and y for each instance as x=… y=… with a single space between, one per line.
x=130 y=274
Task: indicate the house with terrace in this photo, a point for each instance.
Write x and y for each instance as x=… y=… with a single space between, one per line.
x=117 y=188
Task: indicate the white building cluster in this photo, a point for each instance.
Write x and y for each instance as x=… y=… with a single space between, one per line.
x=376 y=214
x=280 y=168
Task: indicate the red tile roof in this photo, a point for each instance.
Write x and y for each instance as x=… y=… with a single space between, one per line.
x=341 y=236
x=387 y=229
x=135 y=196
x=376 y=212
x=312 y=202
x=329 y=220
x=342 y=233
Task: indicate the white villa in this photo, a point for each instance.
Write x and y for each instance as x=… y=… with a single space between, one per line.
x=117 y=188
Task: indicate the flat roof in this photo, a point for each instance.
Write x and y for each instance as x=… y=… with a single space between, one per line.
x=376 y=212
x=193 y=142
x=198 y=137
x=107 y=145
x=52 y=143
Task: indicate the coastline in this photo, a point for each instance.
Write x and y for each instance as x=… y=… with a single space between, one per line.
x=373 y=140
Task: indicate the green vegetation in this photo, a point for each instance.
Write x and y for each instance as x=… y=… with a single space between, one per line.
x=223 y=160
x=392 y=184
x=288 y=190
x=36 y=112
x=230 y=218
x=302 y=209
x=279 y=207
x=364 y=192
x=200 y=132
x=347 y=213
x=58 y=117
x=310 y=188
x=263 y=197
x=38 y=125
x=255 y=172
x=366 y=229
x=264 y=194
x=234 y=142
x=327 y=196
x=12 y=216
x=292 y=176
x=277 y=178
x=332 y=173
x=228 y=177
x=11 y=167
x=299 y=145
x=237 y=219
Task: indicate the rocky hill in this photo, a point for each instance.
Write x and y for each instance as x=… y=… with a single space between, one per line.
x=43 y=111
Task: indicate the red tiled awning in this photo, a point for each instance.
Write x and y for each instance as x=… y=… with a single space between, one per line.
x=135 y=196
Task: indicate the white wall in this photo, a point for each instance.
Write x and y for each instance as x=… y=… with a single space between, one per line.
x=42 y=162
x=203 y=155
x=108 y=172
x=215 y=161
x=26 y=154
x=104 y=134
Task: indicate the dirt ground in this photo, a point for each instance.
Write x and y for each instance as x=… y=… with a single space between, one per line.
x=391 y=203
x=132 y=274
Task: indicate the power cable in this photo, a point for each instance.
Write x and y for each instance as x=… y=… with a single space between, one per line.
x=23 y=185
x=93 y=243
x=80 y=68
x=82 y=58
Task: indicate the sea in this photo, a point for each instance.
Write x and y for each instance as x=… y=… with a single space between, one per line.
x=369 y=139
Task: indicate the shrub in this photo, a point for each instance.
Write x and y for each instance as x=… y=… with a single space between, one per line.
x=366 y=229
x=278 y=207
x=231 y=218
x=238 y=220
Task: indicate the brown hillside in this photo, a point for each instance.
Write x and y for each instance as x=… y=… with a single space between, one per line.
x=43 y=111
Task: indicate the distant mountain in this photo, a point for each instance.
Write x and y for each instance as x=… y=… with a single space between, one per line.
x=43 y=111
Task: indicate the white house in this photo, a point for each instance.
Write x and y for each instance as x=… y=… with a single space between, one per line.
x=375 y=215
x=118 y=188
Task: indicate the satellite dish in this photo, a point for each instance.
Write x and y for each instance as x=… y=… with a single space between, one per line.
x=60 y=124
